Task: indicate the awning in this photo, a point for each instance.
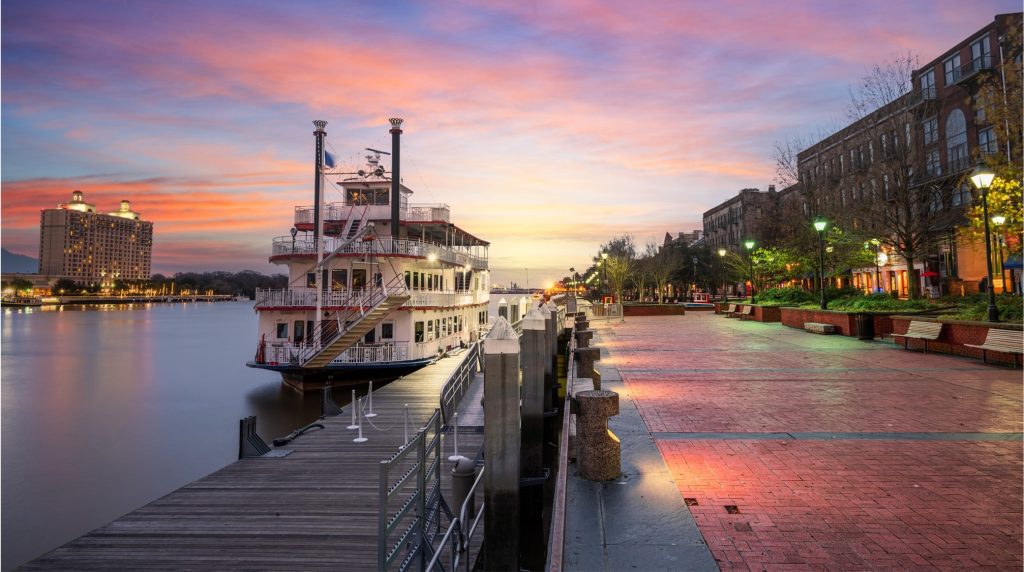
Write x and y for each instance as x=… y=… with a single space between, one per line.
x=1013 y=262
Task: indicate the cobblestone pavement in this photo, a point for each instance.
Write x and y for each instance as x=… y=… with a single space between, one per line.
x=796 y=451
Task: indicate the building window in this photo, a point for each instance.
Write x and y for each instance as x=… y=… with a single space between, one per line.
x=956 y=141
x=961 y=195
x=932 y=166
x=981 y=55
x=931 y=130
x=951 y=69
x=927 y=81
x=987 y=141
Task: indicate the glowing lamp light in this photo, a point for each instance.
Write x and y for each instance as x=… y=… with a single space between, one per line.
x=432 y=257
x=982 y=177
x=749 y=244
x=883 y=259
x=998 y=220
x=721 y=252
x=820 y=224
x=604 y=254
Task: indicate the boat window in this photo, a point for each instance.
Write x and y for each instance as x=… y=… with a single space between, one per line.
x=299 y=331
x=430 y=330
x=358 y=278
x=339 y=280
x=416 y=280
x=378 y=279
x=282 y=331
x=380 y=197
x=430 y=281
x=311 y=280
x=408 y=279
x=437 y=325
x=419 y=332
x=387 y=331
x=369 y=337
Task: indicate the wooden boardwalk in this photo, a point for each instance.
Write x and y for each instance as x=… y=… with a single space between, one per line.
x=316 y=508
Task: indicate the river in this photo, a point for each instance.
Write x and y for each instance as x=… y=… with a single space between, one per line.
x=106 y=408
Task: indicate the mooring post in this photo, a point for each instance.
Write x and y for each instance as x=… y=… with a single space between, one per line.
x=585 y=358
x=501 y=448
x=552 y=350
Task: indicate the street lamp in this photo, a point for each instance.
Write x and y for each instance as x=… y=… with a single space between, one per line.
x=749 y=243
x=819 y=225
x=721 y=258
x=998 y=220
x=604 y=270
x=982 y=180
x=294 y=231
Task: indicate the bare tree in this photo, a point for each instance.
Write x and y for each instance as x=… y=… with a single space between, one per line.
x=664 y=260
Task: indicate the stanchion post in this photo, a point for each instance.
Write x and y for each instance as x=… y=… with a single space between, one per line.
x=501 y=444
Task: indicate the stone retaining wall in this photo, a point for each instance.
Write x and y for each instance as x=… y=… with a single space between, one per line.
x=654 y=310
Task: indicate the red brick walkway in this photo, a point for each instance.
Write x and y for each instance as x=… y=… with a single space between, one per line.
x=836 y=454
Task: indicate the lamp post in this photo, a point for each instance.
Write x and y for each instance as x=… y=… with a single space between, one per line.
x=294 y=231
x=998 y=220
x=721 y=259
x=981 y=178
x=819 y=225
x=604 y=271
x=749 y=243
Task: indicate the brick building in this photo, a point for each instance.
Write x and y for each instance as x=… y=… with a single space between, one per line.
x=79 y=243
x=730 y=223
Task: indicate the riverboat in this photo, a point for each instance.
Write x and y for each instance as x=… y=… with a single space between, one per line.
x=378 y=286
x=21 y=301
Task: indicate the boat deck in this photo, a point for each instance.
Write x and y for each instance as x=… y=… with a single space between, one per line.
x=316 y=508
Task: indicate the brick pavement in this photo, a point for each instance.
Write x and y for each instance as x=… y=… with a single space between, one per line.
x=836 y=454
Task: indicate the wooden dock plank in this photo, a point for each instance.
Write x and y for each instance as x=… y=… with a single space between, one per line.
x=317 y=508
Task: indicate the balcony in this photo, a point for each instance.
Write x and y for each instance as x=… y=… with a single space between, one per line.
x=924 y=96
x=473 y=256
x=971 y=69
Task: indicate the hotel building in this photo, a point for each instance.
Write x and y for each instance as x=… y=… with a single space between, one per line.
x=78 y=243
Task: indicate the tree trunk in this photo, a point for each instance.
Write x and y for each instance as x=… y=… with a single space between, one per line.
x=913 y=292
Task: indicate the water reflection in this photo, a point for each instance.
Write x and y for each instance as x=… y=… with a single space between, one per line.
x=106 y=408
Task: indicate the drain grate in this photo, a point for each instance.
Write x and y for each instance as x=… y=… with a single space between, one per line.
x=732 y=509
x=690 y=502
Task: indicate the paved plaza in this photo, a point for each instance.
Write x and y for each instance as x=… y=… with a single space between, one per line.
x=795 y=451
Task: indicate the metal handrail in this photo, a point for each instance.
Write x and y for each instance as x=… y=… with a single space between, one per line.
x=455 y=388
x=556 y=536
x=385 y=245
x=463 y=540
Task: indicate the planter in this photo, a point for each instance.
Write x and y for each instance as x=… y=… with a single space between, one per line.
x=796 y=318
x=768 y=313
x=955 y=333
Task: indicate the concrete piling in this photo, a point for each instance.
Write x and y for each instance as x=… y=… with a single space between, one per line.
x=501 y=448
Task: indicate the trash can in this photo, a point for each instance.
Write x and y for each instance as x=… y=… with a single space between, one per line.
x=865 y=326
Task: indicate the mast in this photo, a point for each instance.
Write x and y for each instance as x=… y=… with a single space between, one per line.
x=317 y=223
x=396 y=178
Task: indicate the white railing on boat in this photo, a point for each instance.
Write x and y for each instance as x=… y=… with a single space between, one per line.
x=418 y=212
x=383 y=352
x=306 y=297
x=457 y=255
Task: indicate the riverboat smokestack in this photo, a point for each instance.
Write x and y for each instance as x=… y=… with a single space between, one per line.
x=319 y=162
x=396 y=177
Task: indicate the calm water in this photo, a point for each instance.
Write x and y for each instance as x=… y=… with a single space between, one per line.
x=104 y=409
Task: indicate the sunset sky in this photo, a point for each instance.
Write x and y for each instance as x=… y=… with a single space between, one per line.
x=549 y=127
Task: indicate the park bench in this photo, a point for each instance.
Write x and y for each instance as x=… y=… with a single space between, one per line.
x=819 y=328
x=728 y=311
x=921 y=331
x=1007 y=341
x=746 y=312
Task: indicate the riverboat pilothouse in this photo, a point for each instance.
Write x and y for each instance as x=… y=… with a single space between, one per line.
x=378 y=285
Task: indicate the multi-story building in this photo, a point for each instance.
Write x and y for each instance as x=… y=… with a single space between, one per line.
x=79 y=243
x=900 y=171
x=730 y=223
x=684 y=238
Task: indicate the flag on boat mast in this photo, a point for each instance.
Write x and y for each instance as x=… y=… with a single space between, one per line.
x=329 y=161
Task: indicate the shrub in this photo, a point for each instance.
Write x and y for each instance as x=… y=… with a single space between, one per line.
x=784 y=297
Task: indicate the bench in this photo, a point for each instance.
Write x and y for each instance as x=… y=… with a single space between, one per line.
x=728 y=311
x=818 y=328
x=746 y=312
x=921 y=331
x=1007 y=341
